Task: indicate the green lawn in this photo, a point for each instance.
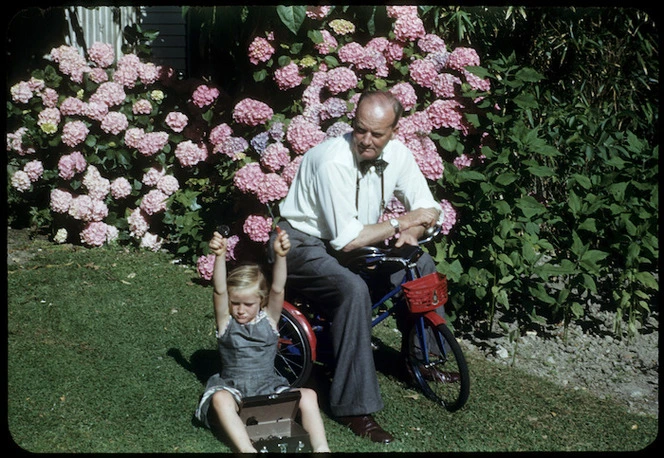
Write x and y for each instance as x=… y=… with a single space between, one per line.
x=109 y=349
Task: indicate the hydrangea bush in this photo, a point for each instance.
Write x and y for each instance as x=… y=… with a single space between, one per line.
x=121 y=149
x=105 y=149
x=316 y=84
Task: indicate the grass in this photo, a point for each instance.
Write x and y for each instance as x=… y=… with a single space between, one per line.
x=109 y=349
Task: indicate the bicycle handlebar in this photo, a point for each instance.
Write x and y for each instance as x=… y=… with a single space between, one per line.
x=368 y=256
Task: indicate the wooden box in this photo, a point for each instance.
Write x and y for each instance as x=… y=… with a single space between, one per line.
x=270 y=421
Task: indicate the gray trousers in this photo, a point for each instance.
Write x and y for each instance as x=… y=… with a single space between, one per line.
x=341 y=296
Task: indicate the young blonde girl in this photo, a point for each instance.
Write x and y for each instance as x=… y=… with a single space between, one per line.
x=247 y=313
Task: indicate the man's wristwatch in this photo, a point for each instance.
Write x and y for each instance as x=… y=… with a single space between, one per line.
x=395 y=224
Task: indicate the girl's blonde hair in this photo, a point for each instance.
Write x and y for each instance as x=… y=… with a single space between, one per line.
x=248 y=277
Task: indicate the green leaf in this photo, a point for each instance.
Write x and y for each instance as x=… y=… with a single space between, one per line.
x=292 y=16
x=542 y=171
x=505 y=179
x=528 y=75
x=647 y=279
x=525 y=100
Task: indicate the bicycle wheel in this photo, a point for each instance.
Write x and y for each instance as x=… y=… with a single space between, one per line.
x=294 y=357
x=437 y=364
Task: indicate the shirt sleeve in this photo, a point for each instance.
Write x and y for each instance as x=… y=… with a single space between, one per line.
x=335 y=189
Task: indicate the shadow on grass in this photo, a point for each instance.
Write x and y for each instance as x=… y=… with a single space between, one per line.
x=202 y=363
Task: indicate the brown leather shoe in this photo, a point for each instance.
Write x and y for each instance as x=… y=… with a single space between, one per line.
x=365 y=425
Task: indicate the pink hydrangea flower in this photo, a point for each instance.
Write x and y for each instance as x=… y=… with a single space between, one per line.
x=463 y=57
x=120 y=188
x=449 y=216
x=133 y=136
x=252 y=112
x=94 y=234
x=318 y=12
x=189 y=154
x=303 y=135
x=138 y=224
x=220 y=133
x=423 y=72
x=74 y=133
x=248 y=177
x=151 y=241
x=205 y=266
x=204 y=95
x=48 y=120
x=95 y=110
x=446 y=113
x=462 y=161
x=168 y=184
x=288 y=77
x=431 y=43
x=152 y=176
x=408 y=28
x=98 y=186
x=102 y=54
x=80 y=207
x=154 y=202
x=446 y=85
x=21 y=92
x=271 y=188
x=328 y=44
x=98 y=75
x=49 y=97
x=177 y=121
x=233 y=147
x=427 y=157
x=288 y=174
x=351 y=53
x=275 y=157
x=110 y=94
x=21 y=181
x=141 y=106
x=126 y=71
x=114 y=123
x=257 y=228
x=148 y=73
x=61 y=200
x=401 y=11
x=71 y=164
x=98 y=210
x=341 y=79
x=70 y=62
x=260 y=50
x=405 y=93
x=72 y=106
x=151 y=143
x=34 y=169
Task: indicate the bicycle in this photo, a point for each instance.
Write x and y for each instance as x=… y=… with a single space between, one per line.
x=440 y=372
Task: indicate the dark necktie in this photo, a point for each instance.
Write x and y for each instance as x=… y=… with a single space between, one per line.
x=379 y=164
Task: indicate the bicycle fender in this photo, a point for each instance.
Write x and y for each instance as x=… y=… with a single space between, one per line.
x=310 y=334
x=434 y=318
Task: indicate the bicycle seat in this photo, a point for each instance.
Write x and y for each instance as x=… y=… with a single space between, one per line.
x=368 y=257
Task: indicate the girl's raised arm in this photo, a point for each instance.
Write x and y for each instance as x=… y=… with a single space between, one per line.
x=218 y=246
x=279 y=274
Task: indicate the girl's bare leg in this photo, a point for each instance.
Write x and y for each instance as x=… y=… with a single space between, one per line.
x=227 y=410
x=312 y=420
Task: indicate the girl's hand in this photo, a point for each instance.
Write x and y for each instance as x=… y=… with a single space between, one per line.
x=218 y=244
x=281 y=243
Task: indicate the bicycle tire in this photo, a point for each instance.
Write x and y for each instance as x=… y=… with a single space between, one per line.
x=294 y=358
x=447 y=358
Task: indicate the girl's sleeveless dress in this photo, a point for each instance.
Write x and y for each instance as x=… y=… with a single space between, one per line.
x=247 y=364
